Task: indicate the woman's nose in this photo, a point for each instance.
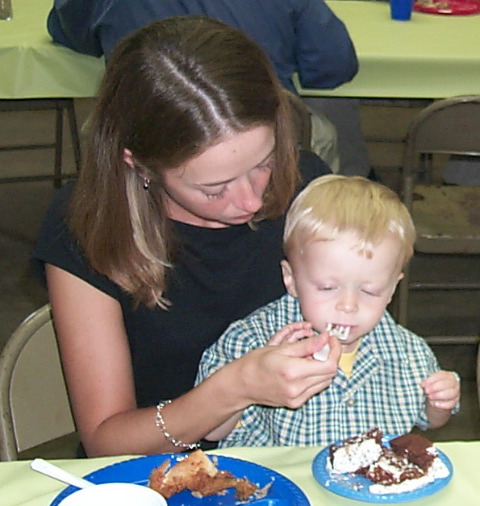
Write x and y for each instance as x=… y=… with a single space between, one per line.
x=246 y=197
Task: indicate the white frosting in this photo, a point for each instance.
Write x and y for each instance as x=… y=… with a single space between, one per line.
x=350 y=458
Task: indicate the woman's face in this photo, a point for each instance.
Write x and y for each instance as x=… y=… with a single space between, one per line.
x=224 y=185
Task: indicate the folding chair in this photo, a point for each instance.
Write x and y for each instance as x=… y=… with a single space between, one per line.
x=34 y=404
x=447 y=217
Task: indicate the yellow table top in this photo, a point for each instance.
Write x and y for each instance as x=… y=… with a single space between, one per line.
x=20 y=485
x=430 y=56
x=32 y=66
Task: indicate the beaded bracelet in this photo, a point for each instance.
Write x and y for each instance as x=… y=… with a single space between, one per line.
x=160 y=423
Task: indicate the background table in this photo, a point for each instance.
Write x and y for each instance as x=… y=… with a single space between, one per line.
x=20 y=485
x=430 y=56
x=32 y=66
x=36 y=74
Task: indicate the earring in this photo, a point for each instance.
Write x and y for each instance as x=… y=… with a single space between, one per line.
x=146 y=184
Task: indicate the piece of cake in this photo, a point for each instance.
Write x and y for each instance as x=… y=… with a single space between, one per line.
x=198 y=473
x=409 y=463
x=391 y=468
x=356 y=453
x=415 y=448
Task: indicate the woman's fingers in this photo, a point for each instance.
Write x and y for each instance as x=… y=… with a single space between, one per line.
x=291 y=333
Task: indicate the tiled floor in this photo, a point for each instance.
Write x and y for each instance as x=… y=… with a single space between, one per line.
x=22 y=206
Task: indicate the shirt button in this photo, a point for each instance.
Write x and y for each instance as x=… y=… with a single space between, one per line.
x=350 y=402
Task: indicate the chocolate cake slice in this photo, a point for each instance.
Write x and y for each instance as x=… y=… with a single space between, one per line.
x=411 y=461
x=415 y=448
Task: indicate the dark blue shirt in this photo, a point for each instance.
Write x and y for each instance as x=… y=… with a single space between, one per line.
x=301 y=36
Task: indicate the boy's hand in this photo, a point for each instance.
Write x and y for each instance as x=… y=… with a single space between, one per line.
x=291 y=333
x=442 y=390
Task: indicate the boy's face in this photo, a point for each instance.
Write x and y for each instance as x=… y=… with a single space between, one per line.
x=335 y=284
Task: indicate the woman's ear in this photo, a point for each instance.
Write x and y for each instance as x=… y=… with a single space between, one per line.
x=128 y=158
x=288 y=278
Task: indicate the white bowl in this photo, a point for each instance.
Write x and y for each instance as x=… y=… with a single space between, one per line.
x=115 y=494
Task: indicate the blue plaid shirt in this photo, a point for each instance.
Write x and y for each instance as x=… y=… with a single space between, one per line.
x=383 y=391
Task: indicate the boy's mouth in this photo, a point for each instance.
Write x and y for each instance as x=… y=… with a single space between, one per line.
x=339 y=331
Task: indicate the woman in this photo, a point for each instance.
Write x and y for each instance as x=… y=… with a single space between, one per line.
x=172 y=232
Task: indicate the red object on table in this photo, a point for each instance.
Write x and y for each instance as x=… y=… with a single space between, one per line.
x=448 y=7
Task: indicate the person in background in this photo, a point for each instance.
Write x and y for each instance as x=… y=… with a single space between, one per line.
x=172 y=231
x=346 y=242
x=299 y=36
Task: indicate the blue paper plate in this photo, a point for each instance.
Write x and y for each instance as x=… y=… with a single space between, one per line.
x=138 y=470
x=357 y=486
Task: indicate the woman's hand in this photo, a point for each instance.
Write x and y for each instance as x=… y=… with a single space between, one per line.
x=286 y=374
x=291 y=333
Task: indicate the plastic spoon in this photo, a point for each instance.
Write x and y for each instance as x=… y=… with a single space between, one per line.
x=57 y=473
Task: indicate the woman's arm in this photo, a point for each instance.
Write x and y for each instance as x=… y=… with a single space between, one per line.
x=97 y=364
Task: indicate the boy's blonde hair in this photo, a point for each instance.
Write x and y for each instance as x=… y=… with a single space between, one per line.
x=333 y=204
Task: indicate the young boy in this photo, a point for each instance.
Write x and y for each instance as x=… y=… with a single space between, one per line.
x=346 y=242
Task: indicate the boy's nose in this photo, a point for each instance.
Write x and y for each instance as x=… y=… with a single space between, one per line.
x=347 y=304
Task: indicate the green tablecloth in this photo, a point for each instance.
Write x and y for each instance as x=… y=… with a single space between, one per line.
x=21 y=486
x=431 y=56
x=32 y=66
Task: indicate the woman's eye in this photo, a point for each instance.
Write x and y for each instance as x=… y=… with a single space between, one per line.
x=217 y=195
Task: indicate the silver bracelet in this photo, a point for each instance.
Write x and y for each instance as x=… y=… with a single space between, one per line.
x=160 y=423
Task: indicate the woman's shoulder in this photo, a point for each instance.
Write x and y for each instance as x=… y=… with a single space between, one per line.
x=311 y=166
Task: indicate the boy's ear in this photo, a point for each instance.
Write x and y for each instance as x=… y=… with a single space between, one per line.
x=400 y=277
x=288 y=278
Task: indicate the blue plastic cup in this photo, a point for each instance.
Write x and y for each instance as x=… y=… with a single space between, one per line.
x=401 y=10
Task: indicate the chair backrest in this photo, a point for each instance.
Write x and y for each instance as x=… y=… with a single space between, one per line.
x=302 y=121
x=34 y=404
x=449 y=126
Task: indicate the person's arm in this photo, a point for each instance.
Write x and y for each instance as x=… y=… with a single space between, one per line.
x=325 y=52
x=443 y=394
x=220 y=354
x=73 y=23
x=97 y=364
x=289 y=334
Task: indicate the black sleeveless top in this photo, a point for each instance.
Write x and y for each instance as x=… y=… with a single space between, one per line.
x=220 y=276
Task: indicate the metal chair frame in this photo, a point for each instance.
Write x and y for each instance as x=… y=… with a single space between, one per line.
x=449 y=126
x=34 y=404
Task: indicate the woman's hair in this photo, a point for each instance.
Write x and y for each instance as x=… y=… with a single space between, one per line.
x=171 y=90
x=333 y=204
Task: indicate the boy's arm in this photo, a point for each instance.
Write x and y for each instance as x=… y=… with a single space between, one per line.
x=443 y=394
